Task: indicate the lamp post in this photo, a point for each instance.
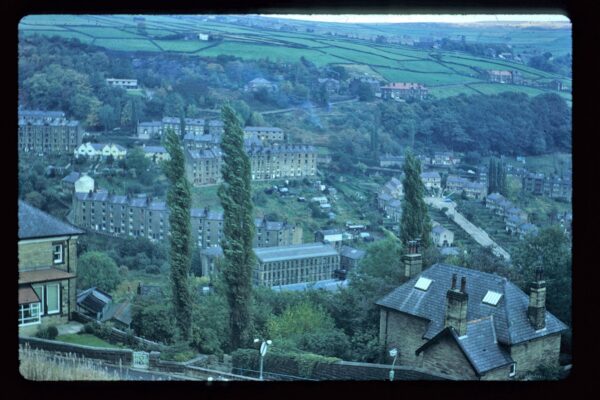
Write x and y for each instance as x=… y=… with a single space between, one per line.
x=393 y=353
x=263 y=350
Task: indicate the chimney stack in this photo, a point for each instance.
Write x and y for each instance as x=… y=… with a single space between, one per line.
x=456 y=309
x=413 y=262
x=537 y=301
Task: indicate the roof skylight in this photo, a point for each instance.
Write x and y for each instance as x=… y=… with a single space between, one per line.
x=423 y=284
x=492 y=298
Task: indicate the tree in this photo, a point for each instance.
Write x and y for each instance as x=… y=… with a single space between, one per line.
x=97 y=269
x=153 y=320
x=550 y=249
x=179 y=201
x=415 y=221
x=255 y=119
x=365 y=92
x=238 y=228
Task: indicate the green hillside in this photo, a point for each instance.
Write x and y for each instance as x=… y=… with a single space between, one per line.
x=445 y=73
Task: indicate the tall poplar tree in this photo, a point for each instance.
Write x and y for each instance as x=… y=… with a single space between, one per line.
x=179 y=201
x=238 y=228
x=415 y=222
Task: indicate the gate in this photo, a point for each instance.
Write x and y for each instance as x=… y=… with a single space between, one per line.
x=141 y=359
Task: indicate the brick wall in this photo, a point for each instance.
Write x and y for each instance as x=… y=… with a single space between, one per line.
x=114 y=356
x=446 y=357
x=403 y=332
x=531 y=354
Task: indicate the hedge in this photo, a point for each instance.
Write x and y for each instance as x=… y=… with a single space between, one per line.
x=294 y=363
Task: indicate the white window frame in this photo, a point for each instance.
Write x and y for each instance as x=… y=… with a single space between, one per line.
x=30 y=320
x=55 y=252
x=41 y=295
x=513 y=369
x=57 y=310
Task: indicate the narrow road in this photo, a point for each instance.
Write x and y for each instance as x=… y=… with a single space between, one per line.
x=478 y=234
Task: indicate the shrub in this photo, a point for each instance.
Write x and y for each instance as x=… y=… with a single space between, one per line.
x=180 y=351
x=49 y=332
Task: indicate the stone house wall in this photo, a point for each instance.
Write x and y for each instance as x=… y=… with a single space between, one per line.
x=403 y=332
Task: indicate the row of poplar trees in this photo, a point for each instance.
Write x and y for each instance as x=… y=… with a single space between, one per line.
x=238 y=229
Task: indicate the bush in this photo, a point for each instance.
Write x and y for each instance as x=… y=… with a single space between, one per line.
x=180 y=351
x=49 y=332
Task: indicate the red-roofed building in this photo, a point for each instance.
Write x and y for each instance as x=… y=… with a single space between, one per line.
x=403 y=90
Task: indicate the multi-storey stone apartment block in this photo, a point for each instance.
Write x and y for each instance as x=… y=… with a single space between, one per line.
x=142 y=216
x=204 y=160
x=47 y=132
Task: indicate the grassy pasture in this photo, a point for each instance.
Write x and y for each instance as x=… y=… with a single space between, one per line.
x=447 y=91
x=430 y=79
x=127 y=45
x=425 y=66
x=104 y=32
x=57 y=19
x=186 y=46
x=364 y=48
x=253 y=52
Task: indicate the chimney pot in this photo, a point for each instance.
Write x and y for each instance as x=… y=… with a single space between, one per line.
x=463 y=284
x=453 y=281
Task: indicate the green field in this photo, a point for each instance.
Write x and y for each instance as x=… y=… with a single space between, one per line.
x=108 y=33
x=453 y=90
x=392 y=62
x=430 y=79
x=127 y=45
x=187 y=46
x=254 y=51
x=495 y=88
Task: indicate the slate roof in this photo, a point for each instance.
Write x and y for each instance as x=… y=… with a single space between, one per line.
x=120 y=312
x=262 y=129
x=150 y=123
x=72 y=177
x=34 y=223
x=328 y=284
x=93 y=299
x=154 y=149
x=294 y=252
x=351 y=252
x=434 y=175
x=439 y=229
x=510 y=315
x=495 y=197
x=479 y=345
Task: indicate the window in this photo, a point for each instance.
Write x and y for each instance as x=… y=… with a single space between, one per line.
x=57 y=253
x=53 y=298
x=513 y=369
x=29 y=314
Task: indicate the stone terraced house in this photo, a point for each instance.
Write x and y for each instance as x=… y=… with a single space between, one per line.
x=143 y=216
x=47 y=132
x=47 y=251
x=486 y=329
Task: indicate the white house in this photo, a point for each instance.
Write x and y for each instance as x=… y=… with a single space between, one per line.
x=97 y=150
x=441 y=236
x=84 y=184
